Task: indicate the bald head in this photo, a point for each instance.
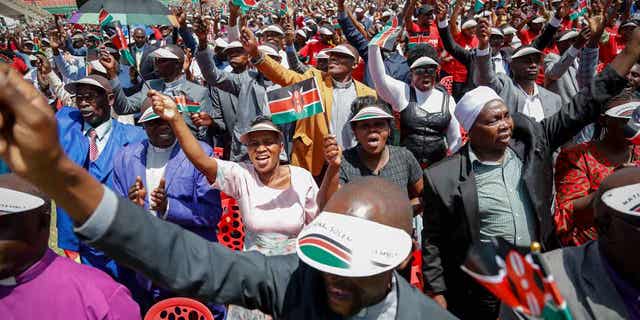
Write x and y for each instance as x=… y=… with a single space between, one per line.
x=374 y=199
x=619 y=178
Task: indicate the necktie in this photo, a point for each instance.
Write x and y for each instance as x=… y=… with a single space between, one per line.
x=93 y=146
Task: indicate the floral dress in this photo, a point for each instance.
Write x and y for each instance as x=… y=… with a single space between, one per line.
x=579 y=172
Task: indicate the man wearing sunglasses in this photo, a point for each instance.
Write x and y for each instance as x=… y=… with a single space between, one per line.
x=91 y=138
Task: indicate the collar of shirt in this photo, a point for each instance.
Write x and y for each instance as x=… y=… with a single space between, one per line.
x=385 y=309
x=32 y=272
x=535 y=91
x=474 y=158
x=101 y=131
x=423 y=95
x=342 y=85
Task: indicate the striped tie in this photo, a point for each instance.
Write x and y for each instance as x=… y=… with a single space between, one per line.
x=93 y=147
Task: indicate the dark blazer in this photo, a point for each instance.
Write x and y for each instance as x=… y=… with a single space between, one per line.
x=191 y=266
x=467 y=57
x=450 y=216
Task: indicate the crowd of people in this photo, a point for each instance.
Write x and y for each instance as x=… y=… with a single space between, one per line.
x=444 y=124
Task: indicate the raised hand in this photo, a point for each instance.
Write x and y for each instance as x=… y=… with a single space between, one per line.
x=584 y=36
x=332 y=151
x=137 y=192
x=201 y=119
x=563 y=9
x=188 y=58
x=249 y=42
x=483 y=33
x=289 y=36
x=109 y=63
x=234 y=13
x=441 y=10
x=164 y=106
x=159 y=198
x=28 y=130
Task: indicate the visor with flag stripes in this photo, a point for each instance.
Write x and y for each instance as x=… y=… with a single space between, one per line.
x=342 y=245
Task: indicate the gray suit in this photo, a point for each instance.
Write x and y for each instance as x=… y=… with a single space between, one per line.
x=584 y=283
x=189 y=265
x=565 y=77
x=509 y=91
x=195 y=92
x=225 y=106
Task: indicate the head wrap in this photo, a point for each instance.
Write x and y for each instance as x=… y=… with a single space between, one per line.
x=470 y=105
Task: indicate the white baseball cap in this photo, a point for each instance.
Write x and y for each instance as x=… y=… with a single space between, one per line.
x=341 y=49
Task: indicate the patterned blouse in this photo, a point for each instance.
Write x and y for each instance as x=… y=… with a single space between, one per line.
x=579 y=172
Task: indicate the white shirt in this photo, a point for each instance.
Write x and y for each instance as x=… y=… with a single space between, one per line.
x=103 y=132
x=397 y=93
x=498 y=63
x=533 y=104
x=157 y=159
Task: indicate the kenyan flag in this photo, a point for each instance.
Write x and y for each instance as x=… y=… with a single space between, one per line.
x=114 y=30
x=245 y=5
x=325 y=250
x=579 y=10
x=387 y=37
x=295 y=102
x=104 y=18
x=186 y=105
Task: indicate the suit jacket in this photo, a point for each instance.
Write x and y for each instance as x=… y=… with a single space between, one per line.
x=76 y=145
x=451 y=221
x=192 y=203
x=225 y=107
x=191 y=266
x=308 y=150
x=249 y=87
x=132 y=104
x=468 y=57
x=146 y=64
x=509 y=91
x=564 y=78
x=584 y=283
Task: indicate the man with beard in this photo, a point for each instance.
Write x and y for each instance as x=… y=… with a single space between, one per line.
x=156 y=175
x=168 y=64
x=91 y=138
x=520 y=91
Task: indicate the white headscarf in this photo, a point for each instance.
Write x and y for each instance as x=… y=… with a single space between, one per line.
x=470 y=105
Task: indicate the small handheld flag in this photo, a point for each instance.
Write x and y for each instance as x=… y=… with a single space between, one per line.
x=579 y=10
x=245 y=5
x=518 y=277
x=104 y=18
x=298 y=101
x=479 y=5
x=388 y=35
x=539 y=3
x=114 y=30
x=186 y=105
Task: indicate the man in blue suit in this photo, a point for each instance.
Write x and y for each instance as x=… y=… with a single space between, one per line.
x=157 y=175
x=90 y=138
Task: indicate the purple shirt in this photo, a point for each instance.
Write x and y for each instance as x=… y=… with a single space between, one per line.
x=58 y=288
x=630 y=295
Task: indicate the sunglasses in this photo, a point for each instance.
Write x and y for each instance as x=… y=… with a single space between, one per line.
x=421 y=71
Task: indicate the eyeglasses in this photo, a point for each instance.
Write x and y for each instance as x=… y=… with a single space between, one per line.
x=422 y=71
x=86 y=97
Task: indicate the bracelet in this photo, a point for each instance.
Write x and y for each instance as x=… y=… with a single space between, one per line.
x=258 y=60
